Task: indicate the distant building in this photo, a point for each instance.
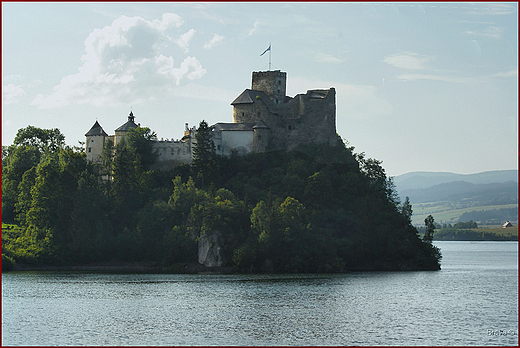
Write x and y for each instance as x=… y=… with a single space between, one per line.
x=507 y=224
x=264 y=119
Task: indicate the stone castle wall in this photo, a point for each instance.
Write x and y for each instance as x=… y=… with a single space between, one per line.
x=273 y=83
x=309 y=117
x=275 y=121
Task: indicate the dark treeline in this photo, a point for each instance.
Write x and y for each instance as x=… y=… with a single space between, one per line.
x=494 y=216
x=471 y=235
x=319 y=208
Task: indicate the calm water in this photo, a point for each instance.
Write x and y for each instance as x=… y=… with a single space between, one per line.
x=473 y=300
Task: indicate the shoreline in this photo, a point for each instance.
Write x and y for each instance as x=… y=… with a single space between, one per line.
x=149 y=267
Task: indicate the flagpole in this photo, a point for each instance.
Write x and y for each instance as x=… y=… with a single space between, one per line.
x=270 y=49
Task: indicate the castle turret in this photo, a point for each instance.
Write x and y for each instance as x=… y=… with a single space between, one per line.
x=260 y=137
x=95 y=142
x=121 y=131
x=272 y=83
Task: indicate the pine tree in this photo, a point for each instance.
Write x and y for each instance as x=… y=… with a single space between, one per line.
x=430 y=229
x=204 y=157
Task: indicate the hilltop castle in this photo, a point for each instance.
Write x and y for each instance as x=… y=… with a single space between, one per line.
x=264 y=119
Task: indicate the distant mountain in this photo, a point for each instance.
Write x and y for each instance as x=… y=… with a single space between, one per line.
x=470 y=194
x=422 y=180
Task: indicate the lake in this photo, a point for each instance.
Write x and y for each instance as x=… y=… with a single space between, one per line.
x=473 y=300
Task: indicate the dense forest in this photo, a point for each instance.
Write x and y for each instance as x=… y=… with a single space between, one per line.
x=319 y=208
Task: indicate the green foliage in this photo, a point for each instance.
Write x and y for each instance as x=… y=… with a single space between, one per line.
x=140 y=140
x=430 y=229
x=469 y=224
x=406 y=210
x=19 y=160
x=319 y=208
x=42 y=139
x=204 y=158
x=472 y=235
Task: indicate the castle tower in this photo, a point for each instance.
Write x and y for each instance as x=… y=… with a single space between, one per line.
x=121 y=131
x=95 y=142
x=260 y=137
x=272 y=83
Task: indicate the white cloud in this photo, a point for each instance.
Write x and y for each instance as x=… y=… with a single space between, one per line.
x=215 y=41
x=407 y=60
x=327 y=58
x=168 y=19
x=510 y=73
x=492 y=32
x=412 y=77
x=493 y=9
x=11 y=93
x=123 y=64
x=255 y=28
x=184 y=40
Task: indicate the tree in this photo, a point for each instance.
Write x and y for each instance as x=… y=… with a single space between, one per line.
x=91 y=230
x=140 y=139
x=24 y=195
x=43 y=139
x=430 y=229
x=128 y=187
x=377 y=178
x=406 y=210
x=204 y=157
x=108 y=158
x=19 y=160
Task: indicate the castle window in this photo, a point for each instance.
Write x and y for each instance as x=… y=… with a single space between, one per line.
x=290 y=127
x=258 y=113
x=89 y=149
x=279 y=82
x=218 y=147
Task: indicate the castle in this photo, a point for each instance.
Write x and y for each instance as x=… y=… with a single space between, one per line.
x=264 y=119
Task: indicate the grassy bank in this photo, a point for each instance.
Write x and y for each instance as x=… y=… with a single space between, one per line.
x=476 y=234
x=446 y=213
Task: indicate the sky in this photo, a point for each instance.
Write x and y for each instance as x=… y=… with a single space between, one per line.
x=419 y=86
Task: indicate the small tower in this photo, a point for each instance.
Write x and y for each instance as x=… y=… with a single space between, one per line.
x=272 y=83
x=95 y=142
x=121 y=131
x=260 y=137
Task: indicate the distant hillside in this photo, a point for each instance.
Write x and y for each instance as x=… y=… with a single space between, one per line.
x=459 y=191
x=453 y=197
x=420 y=180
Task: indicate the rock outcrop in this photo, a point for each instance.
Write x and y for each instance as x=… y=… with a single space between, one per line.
x=210 y=250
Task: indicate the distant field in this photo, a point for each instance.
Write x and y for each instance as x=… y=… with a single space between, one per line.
x=510 y=231
x=445 y=214
x=476 y=234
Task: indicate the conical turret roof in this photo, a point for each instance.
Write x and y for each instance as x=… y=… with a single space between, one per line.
x=96 y=130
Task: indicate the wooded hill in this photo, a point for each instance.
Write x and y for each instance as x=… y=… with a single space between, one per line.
x=320 y=208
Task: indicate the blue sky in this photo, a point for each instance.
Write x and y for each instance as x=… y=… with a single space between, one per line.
x=420 y=86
